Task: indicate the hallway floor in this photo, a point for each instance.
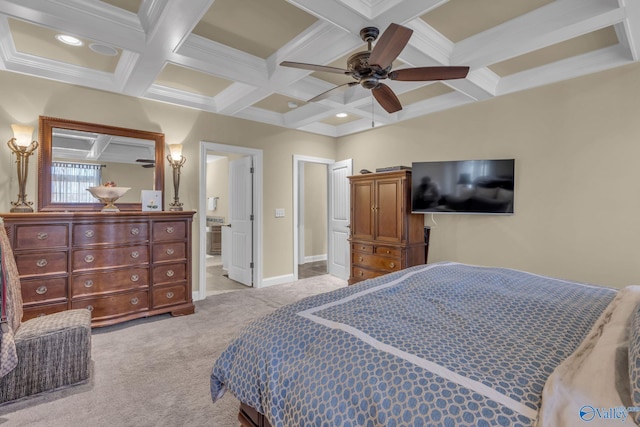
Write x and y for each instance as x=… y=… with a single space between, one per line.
x=218 y=282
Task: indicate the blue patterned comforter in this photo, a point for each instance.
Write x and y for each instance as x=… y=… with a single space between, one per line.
x=442 y=344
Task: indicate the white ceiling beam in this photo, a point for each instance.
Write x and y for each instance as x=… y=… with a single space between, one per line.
x=577 y=66
x=171 y=29
x=548 y=25
x=631 y=28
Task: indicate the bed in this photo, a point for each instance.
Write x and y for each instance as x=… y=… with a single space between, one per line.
x=440 y=344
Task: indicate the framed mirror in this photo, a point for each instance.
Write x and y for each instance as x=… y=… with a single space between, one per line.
x=74 y=156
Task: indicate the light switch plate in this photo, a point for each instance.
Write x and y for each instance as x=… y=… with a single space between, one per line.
x=279 y=213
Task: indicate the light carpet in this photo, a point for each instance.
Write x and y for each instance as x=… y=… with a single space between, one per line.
x=155 y=371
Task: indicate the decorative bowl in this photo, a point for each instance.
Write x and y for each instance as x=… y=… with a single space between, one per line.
x=108 y=196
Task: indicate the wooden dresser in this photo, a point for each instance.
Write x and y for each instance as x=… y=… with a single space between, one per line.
x=121 y=266
x=385 y=235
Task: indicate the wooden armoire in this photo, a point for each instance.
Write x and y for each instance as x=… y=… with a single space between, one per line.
x=385 y=235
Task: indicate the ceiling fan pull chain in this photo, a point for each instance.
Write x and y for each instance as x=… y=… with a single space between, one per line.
x=372 y=121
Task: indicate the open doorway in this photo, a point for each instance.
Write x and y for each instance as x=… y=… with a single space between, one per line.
x=312 y=219
x=335 y=199
x=231 y=205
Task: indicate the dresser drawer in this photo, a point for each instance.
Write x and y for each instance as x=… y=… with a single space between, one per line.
x=169 y=230
x=388 y=251
x=42 y=310
x=41 y=263
x=41 y=236
x=41 y=290
x=376 y=262
x=169 y=295
x=359 y=274
x=169 y=252
x=104 y=234
x=114 y=305
x=362 y=247
x=109 y=281
x=85 y=259
x=169 y=273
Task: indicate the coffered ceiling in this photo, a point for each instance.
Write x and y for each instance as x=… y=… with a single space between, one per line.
x=223 y=56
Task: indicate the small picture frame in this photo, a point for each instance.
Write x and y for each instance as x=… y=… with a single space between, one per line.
x=151 y=200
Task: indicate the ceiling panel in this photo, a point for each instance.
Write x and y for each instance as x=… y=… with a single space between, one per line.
x=192 y=81
x=41 y=42
x=258 y=27
x=130 y=5
x=577 y=46
x=279 y=103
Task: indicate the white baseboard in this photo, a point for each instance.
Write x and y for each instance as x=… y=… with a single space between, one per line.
x=314 y=258
x=277 y=280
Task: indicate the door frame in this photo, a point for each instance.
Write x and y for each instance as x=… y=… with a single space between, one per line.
x=257 y=155
x=298 y=170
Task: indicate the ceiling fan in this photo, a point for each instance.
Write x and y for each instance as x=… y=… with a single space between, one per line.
x=371 y=66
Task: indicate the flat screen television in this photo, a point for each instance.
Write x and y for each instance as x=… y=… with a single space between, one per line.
x=463 y=187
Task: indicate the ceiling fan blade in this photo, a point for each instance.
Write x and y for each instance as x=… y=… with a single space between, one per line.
x=429 y=73
x=330 y=92
x=145 y=160
x=315 y=67
x=386 y=98
x=391 y=43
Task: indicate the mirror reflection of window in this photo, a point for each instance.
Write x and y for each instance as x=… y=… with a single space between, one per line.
x=69 y=181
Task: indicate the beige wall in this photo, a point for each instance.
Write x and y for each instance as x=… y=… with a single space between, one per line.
x=27 y=98
x=315 y=210
x=135 y=177
x=577 y=147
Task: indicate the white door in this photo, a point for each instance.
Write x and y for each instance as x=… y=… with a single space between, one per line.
x=339 y=218
x=241 y=220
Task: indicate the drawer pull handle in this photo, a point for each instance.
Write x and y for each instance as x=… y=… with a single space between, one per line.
x=89 y=259
x=42 y=262
x=170 y=273
x=41 y=290
x=135 y=254
x=362 y=273
x=388 y=252
x=170 y=230
x=135 y=277
x=392 y=264
x=43 y=236
x=135 y=301
x=360 y=259
x=135 y=231
x=170 y=251
x=89 y=233
x=90 y=307
x=169 y=295
x=88 y=283
x=363 y=248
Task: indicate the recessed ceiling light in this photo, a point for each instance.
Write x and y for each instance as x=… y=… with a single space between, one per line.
x=70 y=40
x=292 y=104
x=342 y=115
x=103 y=49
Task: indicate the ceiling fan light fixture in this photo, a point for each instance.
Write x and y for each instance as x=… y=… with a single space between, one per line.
x=69 y=40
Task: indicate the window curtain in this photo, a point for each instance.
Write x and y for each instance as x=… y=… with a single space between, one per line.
x=69 y=182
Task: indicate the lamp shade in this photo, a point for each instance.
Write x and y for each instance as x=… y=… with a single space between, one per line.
x=175 y=150
x=22 y=134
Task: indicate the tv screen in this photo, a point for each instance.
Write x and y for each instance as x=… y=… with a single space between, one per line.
x=463 y=186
